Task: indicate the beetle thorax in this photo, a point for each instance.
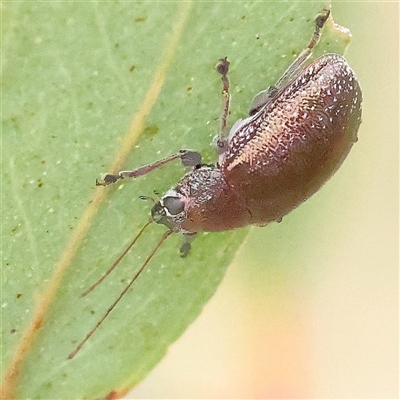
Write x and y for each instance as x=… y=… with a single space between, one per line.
x=201 y=201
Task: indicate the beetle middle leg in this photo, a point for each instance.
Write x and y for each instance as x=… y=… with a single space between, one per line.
x=221 y=141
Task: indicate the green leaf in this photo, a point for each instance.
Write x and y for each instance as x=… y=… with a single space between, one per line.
x=91 y=87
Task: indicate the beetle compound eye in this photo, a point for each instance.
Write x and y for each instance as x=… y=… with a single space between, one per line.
x=174 y=205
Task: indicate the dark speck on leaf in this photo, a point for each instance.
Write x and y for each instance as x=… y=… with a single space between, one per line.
x=151 y=130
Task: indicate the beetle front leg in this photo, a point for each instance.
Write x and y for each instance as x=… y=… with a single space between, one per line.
x=188 y=158
x=184 y=250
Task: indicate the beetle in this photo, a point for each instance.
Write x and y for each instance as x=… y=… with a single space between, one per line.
x=296 y=136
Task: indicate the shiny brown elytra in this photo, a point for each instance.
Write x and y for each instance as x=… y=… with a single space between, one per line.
x=296 y=136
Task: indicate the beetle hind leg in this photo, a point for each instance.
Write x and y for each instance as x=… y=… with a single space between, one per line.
x=264 y=97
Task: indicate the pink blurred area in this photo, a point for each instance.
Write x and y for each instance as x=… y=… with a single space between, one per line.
x=309 y=309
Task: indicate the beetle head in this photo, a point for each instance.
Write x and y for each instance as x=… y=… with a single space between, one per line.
x=169 y=211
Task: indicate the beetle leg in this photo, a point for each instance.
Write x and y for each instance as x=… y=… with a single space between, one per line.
x=188 y=158
x=222 y=139
x=301 y=59
x=187 y=244
x=266 y=96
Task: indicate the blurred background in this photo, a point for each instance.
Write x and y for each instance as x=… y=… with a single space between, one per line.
x=309 y=308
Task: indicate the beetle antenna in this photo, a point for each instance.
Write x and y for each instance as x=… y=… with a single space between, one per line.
x=117 y=261
x=149 y=257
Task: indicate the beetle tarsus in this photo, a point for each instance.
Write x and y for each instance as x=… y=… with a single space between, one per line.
x=322 y=18
x=184 y=250
x=190 y=158
x=223 y=66
x=108 y=179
